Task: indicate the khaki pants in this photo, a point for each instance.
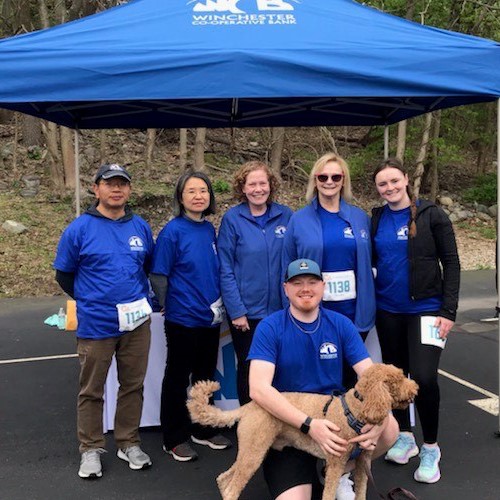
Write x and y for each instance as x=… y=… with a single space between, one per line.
x=95 y=356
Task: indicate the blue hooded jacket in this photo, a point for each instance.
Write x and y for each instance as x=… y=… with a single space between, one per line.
x=304 y=239
x=250 y=259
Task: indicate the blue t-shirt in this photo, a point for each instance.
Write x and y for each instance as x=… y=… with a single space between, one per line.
x=307 y=362
x=186 y=253
x=339 y=254
x=393 y=267
x=110 y=259
x=261 y=220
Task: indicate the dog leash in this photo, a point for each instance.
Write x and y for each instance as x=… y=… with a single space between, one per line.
x=394 y=494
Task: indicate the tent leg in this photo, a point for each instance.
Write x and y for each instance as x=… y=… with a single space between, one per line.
x=77 y=172
x=497 y=242
x=386 y=142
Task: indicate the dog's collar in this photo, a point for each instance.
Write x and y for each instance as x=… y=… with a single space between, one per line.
x=337 y=393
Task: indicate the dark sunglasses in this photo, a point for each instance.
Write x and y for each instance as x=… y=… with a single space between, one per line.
x=333 y=177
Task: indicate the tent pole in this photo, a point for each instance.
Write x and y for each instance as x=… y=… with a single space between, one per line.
x=77 y=172
x=386 y=142
x=498 y=232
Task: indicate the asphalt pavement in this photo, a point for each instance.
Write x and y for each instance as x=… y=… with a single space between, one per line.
x=39 y=452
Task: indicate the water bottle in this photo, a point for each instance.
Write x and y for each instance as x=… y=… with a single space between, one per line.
x=61 y=319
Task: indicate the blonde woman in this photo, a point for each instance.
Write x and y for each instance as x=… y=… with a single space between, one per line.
x=336 y=234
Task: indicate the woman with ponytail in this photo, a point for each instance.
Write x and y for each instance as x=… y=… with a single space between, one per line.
x=417 y=284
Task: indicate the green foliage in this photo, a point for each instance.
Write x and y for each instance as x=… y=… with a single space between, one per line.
x=484 y=191
x=221 y=186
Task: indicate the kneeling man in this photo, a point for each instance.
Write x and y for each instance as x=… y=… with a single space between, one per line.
x=301 y=349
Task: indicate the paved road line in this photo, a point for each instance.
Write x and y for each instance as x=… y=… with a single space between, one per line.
x=467 y=384
x=40 y=358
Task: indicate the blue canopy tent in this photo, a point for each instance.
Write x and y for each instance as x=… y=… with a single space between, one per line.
x=243 y=63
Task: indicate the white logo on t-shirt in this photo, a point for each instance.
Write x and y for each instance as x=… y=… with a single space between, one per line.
x=402 y=232
x=136 y=244
x=327 y=351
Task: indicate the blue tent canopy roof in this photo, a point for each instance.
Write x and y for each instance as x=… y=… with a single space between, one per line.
x=221 y=63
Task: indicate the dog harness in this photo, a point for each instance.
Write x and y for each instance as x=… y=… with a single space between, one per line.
x=353 y=422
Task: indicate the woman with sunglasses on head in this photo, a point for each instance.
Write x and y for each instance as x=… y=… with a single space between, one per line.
x=418 y=276
x=185 y=279
x=336 y=234
x=250 y=242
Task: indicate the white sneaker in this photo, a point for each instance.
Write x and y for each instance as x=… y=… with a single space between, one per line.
x=344 y=489
x=90 y=464
x=135 y=457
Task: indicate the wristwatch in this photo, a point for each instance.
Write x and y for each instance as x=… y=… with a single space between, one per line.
x=306 y=425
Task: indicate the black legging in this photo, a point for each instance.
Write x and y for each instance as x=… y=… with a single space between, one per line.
x=400 y=343
x=241 y=344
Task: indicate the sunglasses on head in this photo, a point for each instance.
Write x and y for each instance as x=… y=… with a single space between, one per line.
x=333 y=177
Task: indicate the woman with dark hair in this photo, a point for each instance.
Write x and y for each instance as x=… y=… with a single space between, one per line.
x=185 y=278
x=250 y=242
x=417 y=284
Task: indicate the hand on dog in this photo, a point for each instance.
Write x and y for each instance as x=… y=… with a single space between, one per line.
x=325 y=434
x=369 y=436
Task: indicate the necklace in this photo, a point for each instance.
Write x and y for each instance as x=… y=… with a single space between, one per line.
x=303 y=329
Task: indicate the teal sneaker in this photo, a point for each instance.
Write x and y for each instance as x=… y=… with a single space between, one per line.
x=403 y=449
x=428 y=470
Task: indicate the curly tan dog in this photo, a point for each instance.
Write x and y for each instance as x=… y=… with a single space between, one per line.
x=380 y=389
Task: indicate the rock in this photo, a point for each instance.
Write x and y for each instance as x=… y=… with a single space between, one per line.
x=28 y=192
x=454 y=217
x=14 y=227
x=463 y=214
x=445 y=201
x=5 y=153
x=483 y=216
x=482 y=208
x=493 y=210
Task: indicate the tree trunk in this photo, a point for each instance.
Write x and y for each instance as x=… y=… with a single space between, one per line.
x=68 y=157
x=183 y=149
x=56 y=172
x=103 y=147
x=150 y=147
x=5 y=116
x=32 y=131
x=15 y=145
x=422 y=154
x=278 y=142
x=199 y=149
x=332 y=146
x=434 y=178
x=401 y=144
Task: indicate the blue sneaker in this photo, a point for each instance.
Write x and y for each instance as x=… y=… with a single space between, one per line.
x=403 y=449
x=428 y=470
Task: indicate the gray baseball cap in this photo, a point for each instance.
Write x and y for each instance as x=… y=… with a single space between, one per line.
x=109 y=171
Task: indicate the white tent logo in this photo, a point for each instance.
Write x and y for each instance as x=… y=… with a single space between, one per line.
x=231 y=6
x=229 y=12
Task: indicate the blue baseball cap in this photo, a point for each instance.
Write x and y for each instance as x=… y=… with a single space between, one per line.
x=301 y=267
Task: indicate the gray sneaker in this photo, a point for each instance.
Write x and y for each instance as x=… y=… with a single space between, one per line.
x=218 y=442
x=90 y=464
x=135 y=457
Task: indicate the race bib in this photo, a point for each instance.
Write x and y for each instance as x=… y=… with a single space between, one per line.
x=219 y=311
x=339 y=285
x=429 y=334
x=133 y=314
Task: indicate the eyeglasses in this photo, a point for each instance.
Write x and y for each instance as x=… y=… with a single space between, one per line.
x=333 y=177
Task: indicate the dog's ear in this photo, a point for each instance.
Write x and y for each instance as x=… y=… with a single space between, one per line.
x=376 y=403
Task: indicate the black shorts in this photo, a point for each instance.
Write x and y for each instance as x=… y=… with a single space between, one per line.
x=288 y=468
